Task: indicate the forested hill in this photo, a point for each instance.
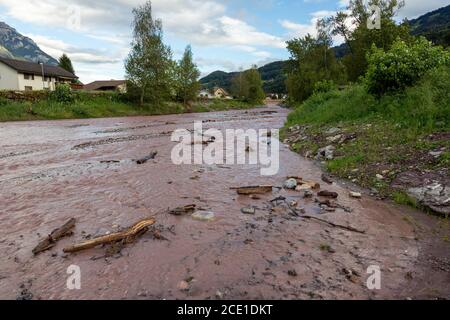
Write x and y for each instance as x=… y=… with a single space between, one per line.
x=271 y=74
x=435 y=26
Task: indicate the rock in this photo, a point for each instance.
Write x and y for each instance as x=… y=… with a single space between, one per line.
x=379 y=177
x=25 y=294
x=290 y=184
x=328 y=194
x=183 y=285
x=356 y=195
x=335 y=139
x=308 y=194
x=332 y=131
x=327 y=153
x=203 y=216
x=143 y=293
x=292 y=273
x=435 y=154
x=327 y=179
x=219 y=295
x=435 y=196
x=248 y=210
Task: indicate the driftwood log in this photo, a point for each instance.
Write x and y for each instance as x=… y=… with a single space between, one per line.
x=253 y=190
x=151 y=156
x=50 y=241
x=128 y=235
x=334 y=225
x=183 y=210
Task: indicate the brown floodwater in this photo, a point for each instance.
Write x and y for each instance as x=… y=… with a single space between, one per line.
x=51 y=171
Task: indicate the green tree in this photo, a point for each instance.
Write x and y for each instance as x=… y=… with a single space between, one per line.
x=149 y=66
x=65 y=63
x=248 y=85
x=254 y=90
x=187 y=76
x=351 y=25
x=238 y=85
x=312 y=60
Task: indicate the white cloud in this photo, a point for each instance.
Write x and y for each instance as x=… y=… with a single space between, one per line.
x=412 y=8
x=298 y=30
x=415 y=8
x=201 y=22
x=89 y=64
x=56 y=48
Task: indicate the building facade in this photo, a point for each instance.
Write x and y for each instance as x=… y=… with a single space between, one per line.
x=20 y=75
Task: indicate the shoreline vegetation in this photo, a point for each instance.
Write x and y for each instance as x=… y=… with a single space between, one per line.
x=380 y=115
x=397 y=146
x=83 y=105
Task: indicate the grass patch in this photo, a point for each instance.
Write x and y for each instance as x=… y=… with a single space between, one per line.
x=103 y=106
x=344 y=164
x=402 y=198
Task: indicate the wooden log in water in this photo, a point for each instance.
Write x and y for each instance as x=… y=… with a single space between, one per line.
x=128 y=235
x=50 y=241
x=253 y=190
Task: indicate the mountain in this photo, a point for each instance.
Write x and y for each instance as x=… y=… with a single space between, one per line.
x=435 y=26
x=271 y=74
x=218 y=79
x=15 y=45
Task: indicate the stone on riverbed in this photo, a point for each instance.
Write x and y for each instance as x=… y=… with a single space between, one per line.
x=290 y=184
x=327 y=153
x=248 y=210
x=203 y=216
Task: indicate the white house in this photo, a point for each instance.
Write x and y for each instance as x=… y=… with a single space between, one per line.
x=220 y=93
x=205 y=94
x=215 y=93
x=27 y=76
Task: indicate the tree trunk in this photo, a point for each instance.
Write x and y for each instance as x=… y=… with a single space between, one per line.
x=142 y=97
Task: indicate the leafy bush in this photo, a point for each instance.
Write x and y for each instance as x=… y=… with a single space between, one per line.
x=402 y=66
x=63 y=94
x=3 y=101
x=324 y=86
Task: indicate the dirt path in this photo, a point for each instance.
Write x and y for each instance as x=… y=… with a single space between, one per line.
x=51 y=171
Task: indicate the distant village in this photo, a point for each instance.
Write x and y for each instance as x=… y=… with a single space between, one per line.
x=20 y=75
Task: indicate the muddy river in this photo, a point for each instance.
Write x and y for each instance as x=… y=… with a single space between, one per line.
x=51 y=171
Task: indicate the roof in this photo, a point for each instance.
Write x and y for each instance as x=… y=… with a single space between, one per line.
x=36 y=68
x=221 y=89
x=103 y=83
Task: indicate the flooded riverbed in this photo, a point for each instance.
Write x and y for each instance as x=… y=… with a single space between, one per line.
x=51 y=171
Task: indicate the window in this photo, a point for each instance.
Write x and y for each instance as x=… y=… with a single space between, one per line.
x=28 y=88
x=28 y=76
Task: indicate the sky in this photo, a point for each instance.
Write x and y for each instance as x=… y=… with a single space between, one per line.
x=225 y=35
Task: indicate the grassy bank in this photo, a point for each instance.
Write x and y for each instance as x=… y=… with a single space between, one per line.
x=102 y=106
x=377 y=141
